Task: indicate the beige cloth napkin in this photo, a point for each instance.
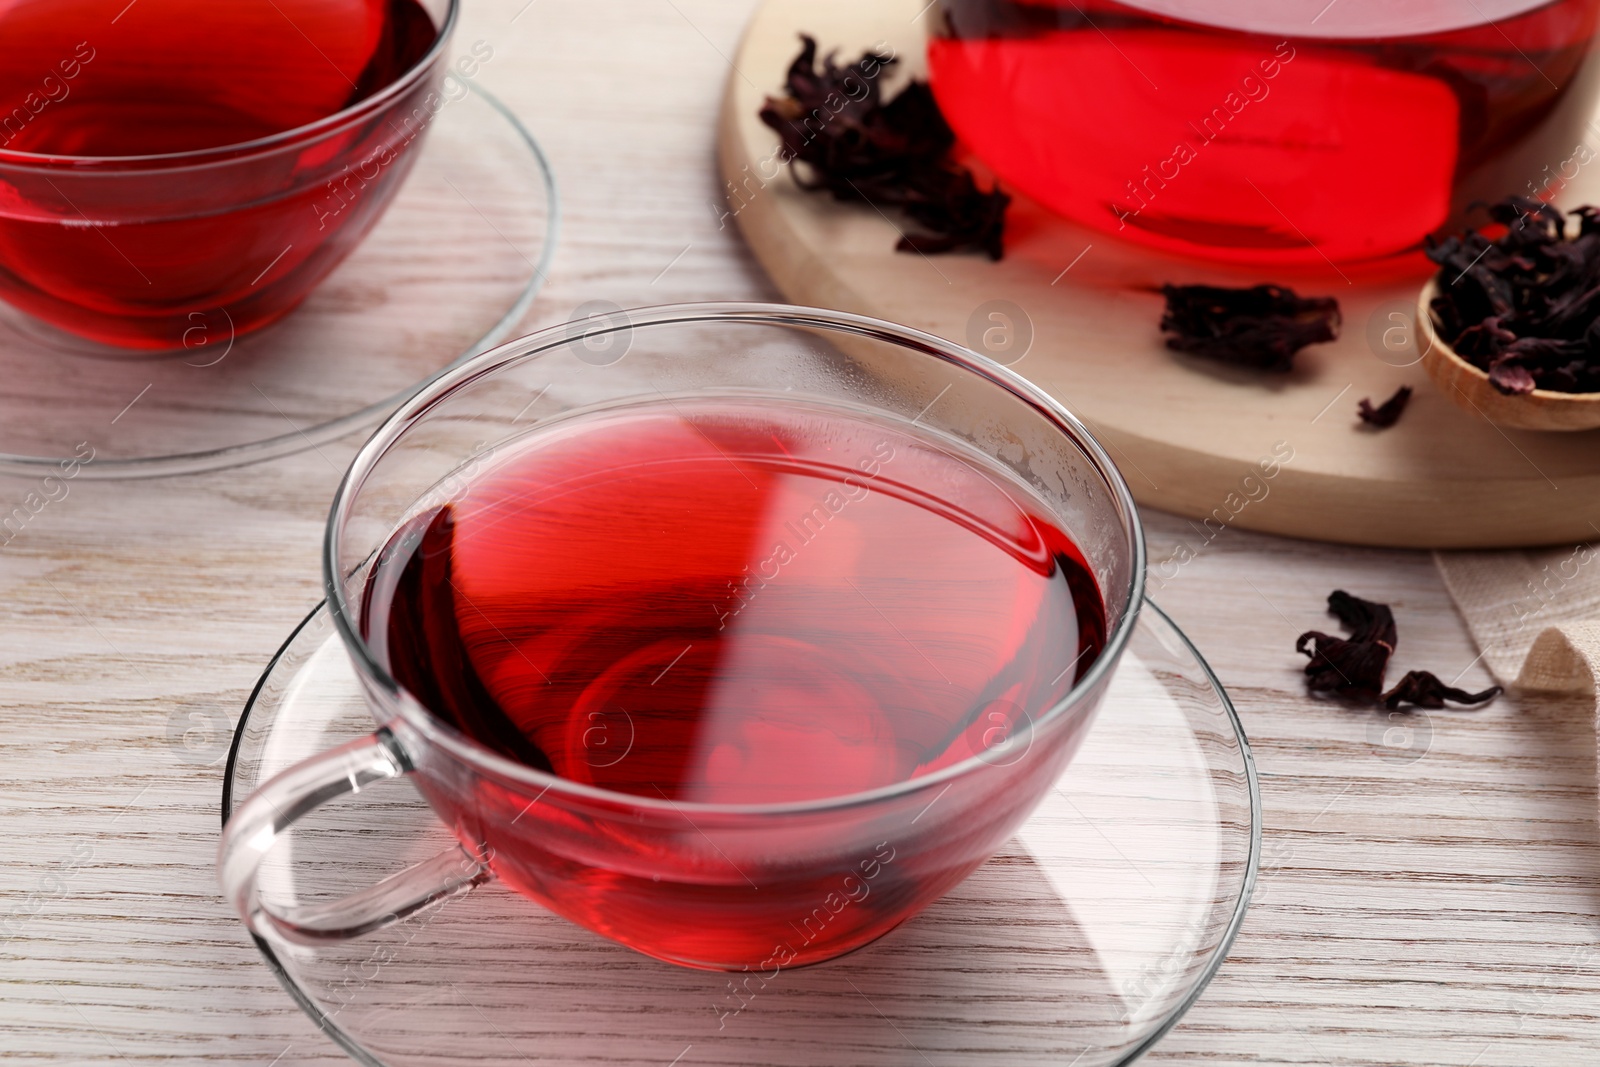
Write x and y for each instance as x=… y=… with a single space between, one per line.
x=1535 y=614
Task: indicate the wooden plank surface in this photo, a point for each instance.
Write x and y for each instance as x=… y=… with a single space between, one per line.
x=1433 y=901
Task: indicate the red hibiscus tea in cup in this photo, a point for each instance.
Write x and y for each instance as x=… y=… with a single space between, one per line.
x=168 y=165
x=1284 y=131
x=732 y=654
x=736 y=602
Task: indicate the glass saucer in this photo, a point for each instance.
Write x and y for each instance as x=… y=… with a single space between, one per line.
x=1079 y=945
x=447 y=273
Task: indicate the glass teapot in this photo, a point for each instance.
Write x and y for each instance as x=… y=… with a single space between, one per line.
x=1271 y=131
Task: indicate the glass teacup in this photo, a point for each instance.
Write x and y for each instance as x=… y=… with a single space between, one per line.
x=150 y=249
x=715 y=885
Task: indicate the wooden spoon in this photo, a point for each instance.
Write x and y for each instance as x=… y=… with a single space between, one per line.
x=1469 y=387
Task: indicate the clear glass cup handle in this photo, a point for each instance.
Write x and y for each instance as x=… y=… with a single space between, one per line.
x=281 y=802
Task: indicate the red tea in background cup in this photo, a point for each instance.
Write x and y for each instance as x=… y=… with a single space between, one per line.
x=1272 y=131
x=168 y=163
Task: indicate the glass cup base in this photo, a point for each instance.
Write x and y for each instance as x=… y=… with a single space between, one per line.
x=450 y=271
x=1083 y=941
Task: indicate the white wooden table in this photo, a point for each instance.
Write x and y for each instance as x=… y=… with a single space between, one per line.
x=1431 y=905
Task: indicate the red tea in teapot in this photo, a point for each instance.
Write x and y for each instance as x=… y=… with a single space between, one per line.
x=1273 y=131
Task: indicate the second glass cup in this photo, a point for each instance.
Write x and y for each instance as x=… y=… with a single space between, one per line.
x=862 y=739
x=145 y=248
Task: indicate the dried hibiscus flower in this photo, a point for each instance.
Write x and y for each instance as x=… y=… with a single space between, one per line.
x=1354 y=667
x=1262 y=327
x=1423 y=689
x=888 y=154
x=1387 y=413
x=1524 y=307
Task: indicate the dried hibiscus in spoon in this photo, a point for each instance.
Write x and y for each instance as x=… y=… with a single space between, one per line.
x=887 y=154
x=1354 y=666
x=1525 y=307
x=1261 y=327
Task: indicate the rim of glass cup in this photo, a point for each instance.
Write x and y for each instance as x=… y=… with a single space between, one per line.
x=435 y=731
x=223 y=153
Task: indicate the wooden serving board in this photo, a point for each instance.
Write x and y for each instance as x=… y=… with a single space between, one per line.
x=1189 y=436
